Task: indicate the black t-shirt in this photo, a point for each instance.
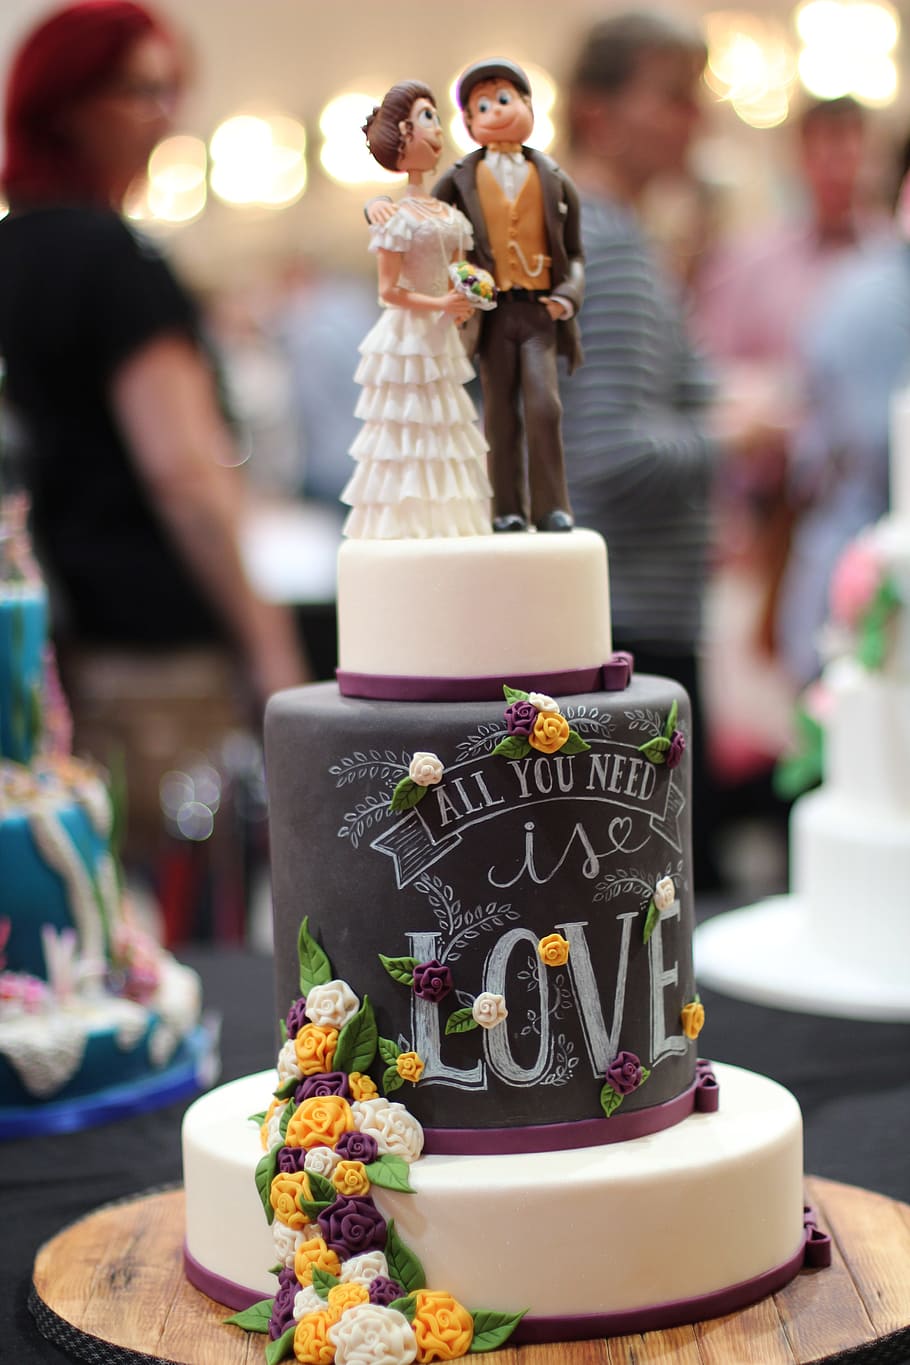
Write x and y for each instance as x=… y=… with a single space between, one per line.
x=80 y=291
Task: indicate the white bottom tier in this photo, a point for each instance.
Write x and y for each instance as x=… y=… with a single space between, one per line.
x=713 y=1202
x=774 y=953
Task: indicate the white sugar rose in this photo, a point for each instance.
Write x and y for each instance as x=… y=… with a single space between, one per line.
x=664 y=894
x=288 y=1067
x=543 y=702
x=286 y=1243
x=307 y=1301
x=361 y=1269
x=370 y=1335
x=395 y=1130
x=273 y=1134
x=425 y=769
x=489 y=1009
x=331 y=1005
x=322 y=1160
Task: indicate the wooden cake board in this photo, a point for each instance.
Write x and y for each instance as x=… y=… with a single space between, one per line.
x=111 y=1288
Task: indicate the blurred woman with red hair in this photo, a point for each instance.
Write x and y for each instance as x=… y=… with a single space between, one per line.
x=135 y=513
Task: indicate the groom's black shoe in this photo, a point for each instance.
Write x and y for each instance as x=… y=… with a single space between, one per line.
x=512 y=521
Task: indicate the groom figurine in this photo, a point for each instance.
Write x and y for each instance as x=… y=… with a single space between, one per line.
x=525 y=216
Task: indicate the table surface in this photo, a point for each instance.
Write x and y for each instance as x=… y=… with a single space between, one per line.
x=852 y=1081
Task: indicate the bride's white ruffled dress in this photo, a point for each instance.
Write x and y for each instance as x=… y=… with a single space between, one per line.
x=421 y=458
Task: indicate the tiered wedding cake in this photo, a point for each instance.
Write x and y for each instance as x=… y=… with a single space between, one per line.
x=840 y=943
x=95 y=1019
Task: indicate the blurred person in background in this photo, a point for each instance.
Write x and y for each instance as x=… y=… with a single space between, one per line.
x=136 y=515
x=638 y=451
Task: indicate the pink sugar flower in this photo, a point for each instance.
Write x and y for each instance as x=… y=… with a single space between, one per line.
x=854 y=583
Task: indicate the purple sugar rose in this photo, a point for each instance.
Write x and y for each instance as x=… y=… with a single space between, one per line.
x=357 y=1147
x=296 y=1017
x=520 y=718
x=283 y=1307
x=325 y=1083
x=290 y=1160
x=676 y=750
x=384 y=1291
x=432 y=980
x=624 y=1073
x=353 y=1226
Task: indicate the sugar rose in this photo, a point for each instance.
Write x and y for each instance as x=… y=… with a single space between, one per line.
x=353 y=1225
x=371 y=1335
x=269 y=1135
x=550 y=732
x=283 y=1315
x=286 y=1240
x=311 y=1340
x=520 y=717
x=307 y=1301
x=409 y=1066
x=489 y=1009
x=350 y=1177
x=692 y=1017
x=553 y=950
x=331 y=1005
x=315 y=1048
x=625 y=1073
x=541 y=702
x=676 y=750
x=325 y=1083
x=362 y=1087
x=283 y=1198
x=343 y=1297
x=288 y=1066
x=319 y=1122
x=425 y=769
x=322 y=1160
x=432 y=980
x=365 y=1268
x=390 y=1123
x=664 y=894
x=357 y=1147
x=443 y=1328
x=315 y=1255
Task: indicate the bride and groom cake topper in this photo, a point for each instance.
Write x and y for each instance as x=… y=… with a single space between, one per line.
x=515 y=213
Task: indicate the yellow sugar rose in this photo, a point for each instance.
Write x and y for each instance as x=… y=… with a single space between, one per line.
x=692 y=1018
x=319 y=1122
x=362 y=1087
x=553 y=950
x=269 y=1114
x=314 y=1047
x=550 y=732
x=345 y=1296
x=311 y=1342
x=350 y=1177
x=443 y=1328
x=315 y=1255
x=283 y=1198
x=409 y=1066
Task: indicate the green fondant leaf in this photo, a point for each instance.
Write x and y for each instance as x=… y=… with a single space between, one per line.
x=671 y=721
x=357 y=1041
x=651 y=919
x=513 y=693
x=320 y=1188
x=255 y=1318
x=323 y=1281
x=610 y=1099
x=391 y=1080
x=258 y=1119
x=462 y=1021
x=403 y=1264
x=277 y=1268
x=265 y=1174
x=283 y=1348
x=285 y=1091
x=492 y=1329
x=391 y=1172
x=645 y=1073
x=574 y=744
x=796 y=772
x=512 y=746
x=399 y=968
x=389 y=1051
x=655 y=750
x=313 y=1207
x=406 y=795
x=315 y=968
x=406 y=1307
x=289 y=1111
x=283 y=1030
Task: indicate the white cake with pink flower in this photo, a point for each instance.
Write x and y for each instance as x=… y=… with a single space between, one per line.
x=840 y=942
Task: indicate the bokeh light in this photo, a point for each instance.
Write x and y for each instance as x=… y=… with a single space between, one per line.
x=751 y=65
x=344 y=154
x=259 y=160
x=847 y=49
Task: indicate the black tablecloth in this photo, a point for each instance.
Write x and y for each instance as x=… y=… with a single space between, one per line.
x=851 y=1079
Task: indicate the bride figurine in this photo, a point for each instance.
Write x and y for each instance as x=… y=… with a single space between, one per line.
x=421 y=458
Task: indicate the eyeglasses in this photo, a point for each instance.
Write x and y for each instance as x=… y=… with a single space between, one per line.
x=149 y=96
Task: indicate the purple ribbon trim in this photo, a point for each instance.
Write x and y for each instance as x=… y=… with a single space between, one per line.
x=561 y=1137
x=613 y=676
x=650 y=1318
x=818 y=1242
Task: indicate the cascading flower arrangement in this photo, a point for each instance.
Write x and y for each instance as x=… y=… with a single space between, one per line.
x=349 y=1290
